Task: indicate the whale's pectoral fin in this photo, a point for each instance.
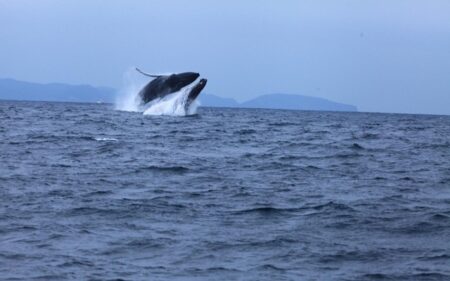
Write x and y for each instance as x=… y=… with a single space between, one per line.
x=147 y=74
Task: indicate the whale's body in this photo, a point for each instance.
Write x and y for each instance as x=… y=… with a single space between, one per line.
x=163 y=85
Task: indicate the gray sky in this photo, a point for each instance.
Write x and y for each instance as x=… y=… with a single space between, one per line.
x=380 y=55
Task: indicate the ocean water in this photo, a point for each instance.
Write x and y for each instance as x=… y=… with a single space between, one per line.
x=92 y=193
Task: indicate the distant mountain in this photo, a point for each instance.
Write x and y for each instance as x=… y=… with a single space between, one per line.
x=17 y=90
x=296 y=102
x=216 y=101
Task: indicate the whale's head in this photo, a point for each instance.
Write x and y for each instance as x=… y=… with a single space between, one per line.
x=195 y=91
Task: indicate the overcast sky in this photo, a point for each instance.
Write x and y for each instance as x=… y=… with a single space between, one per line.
x=380 y=55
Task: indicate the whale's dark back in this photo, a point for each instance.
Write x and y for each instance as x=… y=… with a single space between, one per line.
x=166 y=84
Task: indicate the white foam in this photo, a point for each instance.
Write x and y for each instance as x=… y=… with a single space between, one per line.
x=106 y=139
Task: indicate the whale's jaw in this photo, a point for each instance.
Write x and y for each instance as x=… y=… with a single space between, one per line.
x=194 y=92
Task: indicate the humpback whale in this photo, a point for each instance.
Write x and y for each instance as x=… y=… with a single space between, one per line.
x=163 y=85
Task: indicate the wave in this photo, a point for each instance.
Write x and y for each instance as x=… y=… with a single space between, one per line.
x=173 y=169
x=417 y=276
x=332 y=206
x=268 y=210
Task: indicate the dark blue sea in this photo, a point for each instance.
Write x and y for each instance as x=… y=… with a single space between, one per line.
x=91 y=193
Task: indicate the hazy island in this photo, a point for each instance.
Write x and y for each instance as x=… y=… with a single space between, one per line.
x=19 y=90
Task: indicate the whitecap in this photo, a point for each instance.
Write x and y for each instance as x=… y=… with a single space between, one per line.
x=106 y=139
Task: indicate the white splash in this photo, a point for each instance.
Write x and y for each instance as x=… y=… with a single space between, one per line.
x=127 y=100
x=173 y=104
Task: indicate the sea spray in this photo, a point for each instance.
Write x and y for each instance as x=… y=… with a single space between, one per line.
x=127 y=99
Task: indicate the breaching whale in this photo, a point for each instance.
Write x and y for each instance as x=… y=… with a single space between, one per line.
x=163 y=85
